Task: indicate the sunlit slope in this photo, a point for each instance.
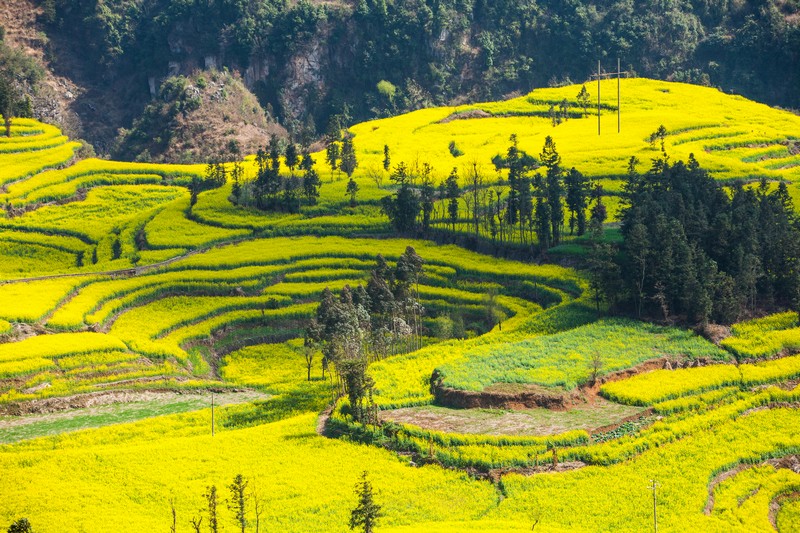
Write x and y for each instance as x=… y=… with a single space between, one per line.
x=730 y=135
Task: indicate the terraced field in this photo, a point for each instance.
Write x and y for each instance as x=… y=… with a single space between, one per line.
x=115 y=286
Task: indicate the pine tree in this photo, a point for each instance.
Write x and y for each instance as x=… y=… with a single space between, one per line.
x=239 y=497
x=387 y=160
x=553 y=188
x=291 y=157
x=366 y=514
x=349 y=162
x=332 y=155
x=352 y=190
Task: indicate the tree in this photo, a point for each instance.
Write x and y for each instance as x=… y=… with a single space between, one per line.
x=583 y=100
x=291 y=157
x=366 y=514
x=197 y=522
x=211 y=507
x=352 y=190
x=595 y=366
x=258 y=506
x=550 y=159
x=427 y=196
x=332 y=155
x=237 y=177
x=349 y=162
x=311 y=185
x=577 y=187
x=20 y=526
x=239 y=497
x=542 y=214
x=387 y=160
x=451 y=185
x=8 y=100
x=403 y=207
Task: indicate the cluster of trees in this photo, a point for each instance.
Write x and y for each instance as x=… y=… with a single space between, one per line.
x=367 y=323
x=698 y=251
x=528 y=208
x=19 y=76
x=272 y=191
x=387 y=56
x=341 y=157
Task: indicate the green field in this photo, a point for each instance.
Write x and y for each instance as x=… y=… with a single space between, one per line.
x=115 y=284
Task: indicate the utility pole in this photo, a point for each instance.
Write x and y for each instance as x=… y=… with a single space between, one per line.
x=654 y=484
x=619 y=118
x=600 y=76
x=212 y=413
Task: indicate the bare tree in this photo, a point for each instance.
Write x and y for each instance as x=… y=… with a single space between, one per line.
x=196 y=522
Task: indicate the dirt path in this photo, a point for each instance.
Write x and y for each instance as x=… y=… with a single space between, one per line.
x=790 y=462
x=776 y=504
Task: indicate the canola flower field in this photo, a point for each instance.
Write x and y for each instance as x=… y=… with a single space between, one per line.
x=113 y=282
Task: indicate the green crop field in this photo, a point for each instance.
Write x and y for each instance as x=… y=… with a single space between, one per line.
x=117 y=278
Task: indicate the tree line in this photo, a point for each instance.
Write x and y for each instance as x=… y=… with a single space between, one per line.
x=528 y=208
x=270 y=190
x=698 y=250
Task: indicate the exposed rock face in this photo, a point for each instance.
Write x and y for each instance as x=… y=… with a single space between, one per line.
x=207 y=115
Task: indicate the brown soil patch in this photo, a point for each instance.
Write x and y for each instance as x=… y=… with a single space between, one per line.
x=496 y=474
x=528 y=396
x=465 y=115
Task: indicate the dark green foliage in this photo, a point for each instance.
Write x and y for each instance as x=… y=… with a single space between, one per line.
x=578 y=188
x=20 y=526
x=349 y=163
x=116 y=249
x=212 y=501
x=238 y=503
x=403 y=207
x=553 y=188
x=366 y=514
x=455 y=151
x=351 y=191
x=415 y=46
x=332 y=156
x=692 y=251
x=291 y=157
x=387 y=160
x=19 y=78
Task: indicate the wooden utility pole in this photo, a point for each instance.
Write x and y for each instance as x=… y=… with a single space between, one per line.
x=654 y=486
x=212 y=414
x=600 y=76
x=619 y=117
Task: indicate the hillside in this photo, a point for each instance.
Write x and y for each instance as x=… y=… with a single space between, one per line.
x=203 y=117
x=156 y=337
x=311 y=61
x=734 y=138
